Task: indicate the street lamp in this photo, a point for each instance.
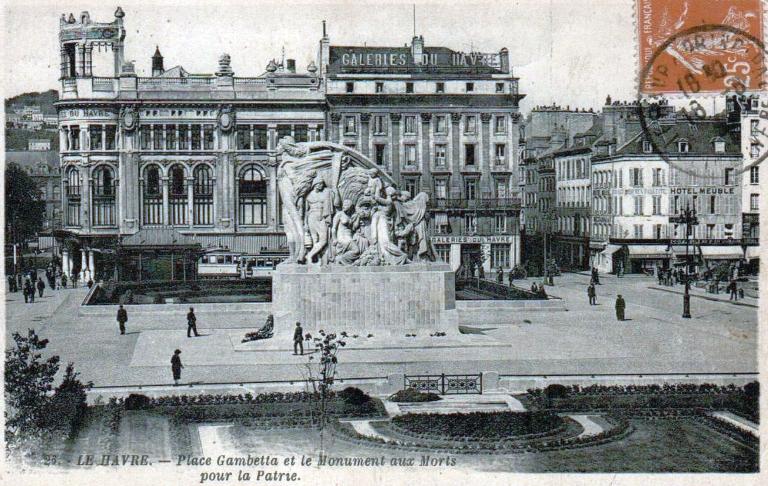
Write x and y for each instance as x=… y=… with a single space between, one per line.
x=687 y=217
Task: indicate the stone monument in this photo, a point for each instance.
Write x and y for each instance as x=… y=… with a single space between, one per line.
x=360 y=258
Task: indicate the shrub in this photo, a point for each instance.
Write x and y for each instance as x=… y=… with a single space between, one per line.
x=479 y=425
x=354 y=396
x=136 y=401
x=752 y=390
x=556 y=391
x=412 y=395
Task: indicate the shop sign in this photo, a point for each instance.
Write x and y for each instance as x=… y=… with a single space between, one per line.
x=640 y=191
x=85 y=113
x=709 y=190
x=473 y=239
x=383 y=57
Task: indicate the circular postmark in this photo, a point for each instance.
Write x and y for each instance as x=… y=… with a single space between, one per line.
x=688 y=71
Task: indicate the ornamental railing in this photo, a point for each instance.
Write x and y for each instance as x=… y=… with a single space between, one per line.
x=445 y=384
x=170 y=83
x=481 y=203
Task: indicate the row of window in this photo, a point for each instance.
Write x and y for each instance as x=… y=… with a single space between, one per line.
x=440 y=151
x=380 y=124
x=677 y=177
x=674 y=231
x=573 y=196
x=711 y=205
x=471 y=188
x=470 y=225
x=98 y=137
x=183 y=136
x=572 y=169
x=439 y=87
x=683 y=146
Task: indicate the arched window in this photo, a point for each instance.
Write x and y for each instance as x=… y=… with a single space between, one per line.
x=153 y=196
x=177 y=196
x=203 y=195
x=252 y=191
x=72 y=191
x=103 y=196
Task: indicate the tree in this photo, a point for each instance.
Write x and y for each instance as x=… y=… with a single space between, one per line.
x=322 y=373
x=24 y=210
x=28 y=381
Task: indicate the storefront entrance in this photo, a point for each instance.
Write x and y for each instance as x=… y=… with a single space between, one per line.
x=471 y=259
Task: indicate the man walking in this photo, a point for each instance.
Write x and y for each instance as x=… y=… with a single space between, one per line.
x=122 y=318
x=500 y=276
x=298 y=339
x=191 y=322
x=620 y=306
x=25 y=291
x=176 y=366
x=592 y=294
x=40 y=286
x=732 y=289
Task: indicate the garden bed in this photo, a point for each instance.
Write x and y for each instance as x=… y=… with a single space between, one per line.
x=478 y=425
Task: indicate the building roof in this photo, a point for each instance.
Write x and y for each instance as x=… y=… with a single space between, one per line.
x=32 y=158
x=159 y=237
x=700 y=135
x=435 y=100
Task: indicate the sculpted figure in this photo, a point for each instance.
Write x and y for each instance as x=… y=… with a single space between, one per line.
x=348 y=243
x=412 y=221
x=382 y=229
x=319 y=212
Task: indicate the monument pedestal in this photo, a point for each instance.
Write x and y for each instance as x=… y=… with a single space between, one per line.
x=363 y=300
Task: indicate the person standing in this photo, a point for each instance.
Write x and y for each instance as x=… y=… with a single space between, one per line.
x=58 y=282
x=19 y=281
x=500 y=275
x=592 y=294
x=122 y=318
x=176 y=366
x=511 y=276
x=25 y=291
x=63 y=280
x=298 y=339
x=620 y=306
x=191 y=322
x=534 y=288
x=40 y=286
x=29 y=288
x=732 y=289
x=11 y=282
x=90 y=284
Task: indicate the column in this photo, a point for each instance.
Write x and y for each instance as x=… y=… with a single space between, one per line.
x=335 y=120
x=395 y=145
x=85 y=197
x=62 y=140
x=83 y=267
x=88 y=60
x=65 y=262
x=485 y=155
x=273 y=195
x=166 y=220
x=455 y=189
x=426 y=166
x=190 y=199
x=365 y=119
x=92 y=264
x=64 y=63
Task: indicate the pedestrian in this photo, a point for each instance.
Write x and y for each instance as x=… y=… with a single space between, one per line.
x=500 y=275
x=25 y=291
x=74 y=280
x=511 y=276
x=534 y=288
x=620 y=306
x=33 y=276
x=19 y=281
x=58 y=282
x=40 y=286
x=660 y=275
x=741 y=292
x=191 y=322
x=733 y=290
x=64 y=280
x=176 y=366
x=122 y=318
x=298 y=339
x=542 y=291
x=90 y=283
x=30 y=290
x=592 y=294
x=10 y=283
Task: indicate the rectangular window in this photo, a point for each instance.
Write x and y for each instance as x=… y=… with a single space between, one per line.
x=728 y=176
x=408 y=87
x=96 y=137
x=499 y=255
x=470 y=87
x=656 y=205
x=500 y=124
x=501 y=153
x=753 y=126
x=350 y=125
x=647 y=146
x=441 y=188
x=638 y=231
x=412 y=185
x=754 y=175
x=170 y=137
x=636 y=177
x=379 y=125
x=469 y=154
x=754 y=150
x=410 y=154
x=658 y=177
x=144 y=137
x=712 y=204
x=638 y=205
x=301 y=133
x=657 y=231
x=380 y=154
x=158 y=142
x=499 y=87
x=470 y=188
x=350 y=87
x=440 y=155
x=710 y=232
x=207 y=137
x=379 y=87
x=501 y=189
x=183 y=137
x=111 y=137
x=500 y=223
x=470 y=124
x=196 y=137
x=443 y=253
x=260 y=137
x=439 y=87
x=754 y=202
x=441 y=124
x=470 y=224
x=410 y=124
x=284 y=131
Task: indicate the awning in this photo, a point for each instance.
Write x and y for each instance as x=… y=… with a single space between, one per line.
x=441 y=219
x=753 y=252
x=610 y=250
x=649 y=251
x=722 y=252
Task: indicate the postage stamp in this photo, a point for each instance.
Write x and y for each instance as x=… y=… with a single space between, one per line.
x=700 y=47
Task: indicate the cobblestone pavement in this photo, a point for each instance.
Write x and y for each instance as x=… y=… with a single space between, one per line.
x=719 y=338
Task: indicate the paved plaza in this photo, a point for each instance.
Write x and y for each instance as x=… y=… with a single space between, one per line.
x=721 y=337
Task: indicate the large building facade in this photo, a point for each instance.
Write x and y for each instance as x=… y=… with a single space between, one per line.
x=158 y=170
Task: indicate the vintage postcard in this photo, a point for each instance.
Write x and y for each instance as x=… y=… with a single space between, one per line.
x=336 y=242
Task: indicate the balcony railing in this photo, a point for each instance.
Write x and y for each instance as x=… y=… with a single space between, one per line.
x=470 y=204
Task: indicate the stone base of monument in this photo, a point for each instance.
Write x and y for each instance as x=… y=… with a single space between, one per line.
x=363 y=300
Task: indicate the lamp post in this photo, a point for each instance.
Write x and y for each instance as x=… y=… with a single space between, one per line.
x=687 y=217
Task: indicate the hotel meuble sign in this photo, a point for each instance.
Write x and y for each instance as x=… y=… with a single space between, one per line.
x=384 y=57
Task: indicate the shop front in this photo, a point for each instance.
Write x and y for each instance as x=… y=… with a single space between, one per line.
x=647 y=258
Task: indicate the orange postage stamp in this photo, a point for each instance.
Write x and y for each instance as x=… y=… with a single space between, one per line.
x=690 y=47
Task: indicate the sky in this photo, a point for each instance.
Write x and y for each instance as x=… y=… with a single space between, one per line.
x=571 y=52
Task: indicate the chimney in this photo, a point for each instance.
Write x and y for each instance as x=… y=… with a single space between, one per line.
x=504 y=58
x=291 y=65
x=417 y=49
x=323 y=53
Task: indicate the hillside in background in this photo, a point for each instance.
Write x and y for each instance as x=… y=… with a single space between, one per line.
x=45 y=100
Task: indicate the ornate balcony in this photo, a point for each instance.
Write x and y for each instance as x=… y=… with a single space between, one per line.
x=474 y=204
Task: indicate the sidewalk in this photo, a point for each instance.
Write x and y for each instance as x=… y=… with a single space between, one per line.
x=702 y=294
